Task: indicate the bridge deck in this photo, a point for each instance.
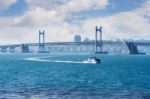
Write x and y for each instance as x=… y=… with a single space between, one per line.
x=59 y=43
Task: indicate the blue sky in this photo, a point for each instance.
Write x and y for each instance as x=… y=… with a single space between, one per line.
x=115 y=6
x=66 y=18
x=16 y=9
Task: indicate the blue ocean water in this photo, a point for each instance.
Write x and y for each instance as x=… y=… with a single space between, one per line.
x=66 y=76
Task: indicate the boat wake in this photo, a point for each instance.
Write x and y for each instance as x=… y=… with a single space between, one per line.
x=36 y=59
x=41 y=59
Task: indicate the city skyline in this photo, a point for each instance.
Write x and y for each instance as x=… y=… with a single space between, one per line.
x=20 y=20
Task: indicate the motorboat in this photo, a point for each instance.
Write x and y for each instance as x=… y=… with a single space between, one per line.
x=93 y=60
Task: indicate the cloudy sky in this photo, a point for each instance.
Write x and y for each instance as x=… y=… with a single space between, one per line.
x=20 y=20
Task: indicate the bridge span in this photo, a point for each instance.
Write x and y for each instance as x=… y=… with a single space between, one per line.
x=48 y=47
x=96 y=46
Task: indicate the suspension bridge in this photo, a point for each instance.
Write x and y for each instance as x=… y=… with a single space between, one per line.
x=98 y=46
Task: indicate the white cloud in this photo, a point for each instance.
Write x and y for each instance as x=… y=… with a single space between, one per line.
x=123 y=25
x=130 y=25
x=39 y=17
x=44 y=15
x=5 y=4
x=68 y=5
x=48 y=4
x=83 y=5
x=13 y=35
x=6 y=21
x=49 y=12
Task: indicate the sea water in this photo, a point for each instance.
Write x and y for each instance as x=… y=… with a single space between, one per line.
x=66 y=76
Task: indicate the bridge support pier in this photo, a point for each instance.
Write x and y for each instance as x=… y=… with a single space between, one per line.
x=3 y=50
x=133 y=48
x=24 y=48
x=12 y=49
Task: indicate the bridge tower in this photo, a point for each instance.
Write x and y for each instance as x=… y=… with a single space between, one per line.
x=99 y=41
x=41 y=41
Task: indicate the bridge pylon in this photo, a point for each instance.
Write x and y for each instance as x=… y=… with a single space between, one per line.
x=99 y=41
x=41 y=41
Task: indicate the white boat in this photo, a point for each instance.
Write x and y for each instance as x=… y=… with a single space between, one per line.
x=93 y=60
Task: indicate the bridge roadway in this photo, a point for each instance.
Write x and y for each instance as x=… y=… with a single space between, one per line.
x=72 y=43
x=57 y=43
x=24 y=48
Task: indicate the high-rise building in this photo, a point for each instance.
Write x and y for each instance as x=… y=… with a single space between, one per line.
x=77 y=38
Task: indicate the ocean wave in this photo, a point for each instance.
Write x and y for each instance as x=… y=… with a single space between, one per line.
x=77 y=93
